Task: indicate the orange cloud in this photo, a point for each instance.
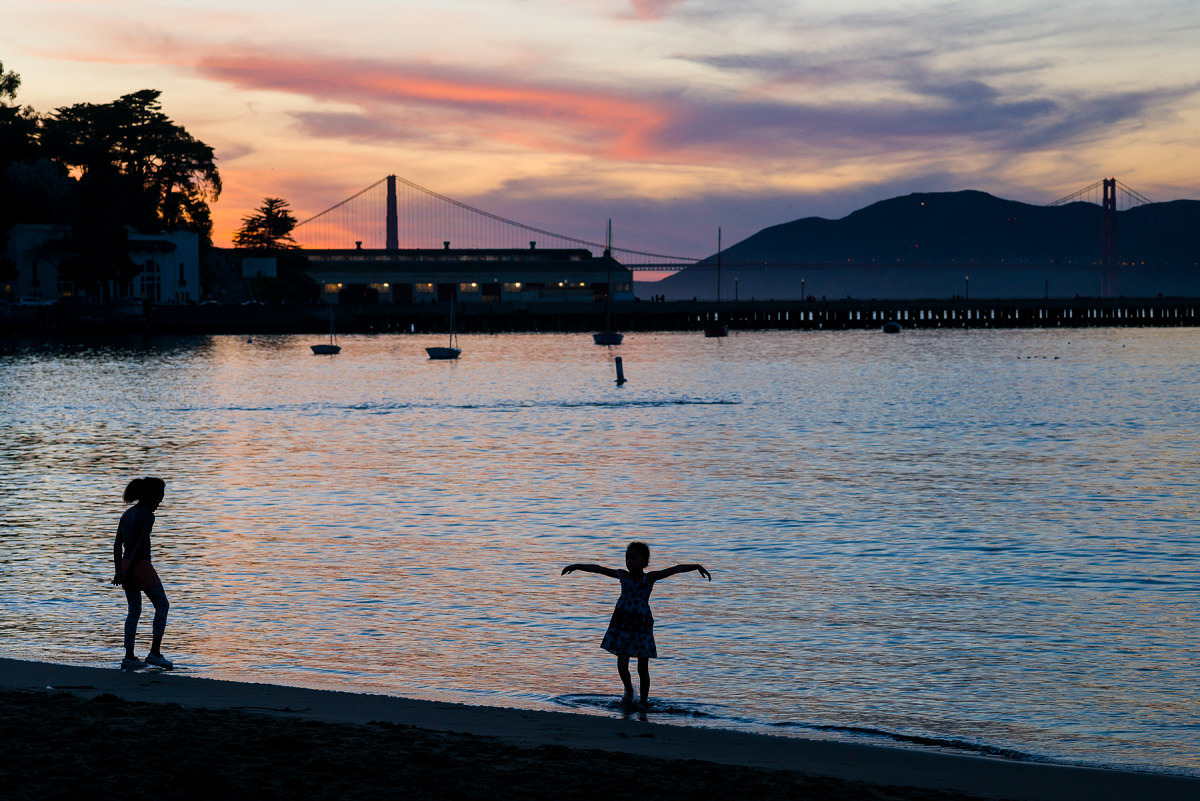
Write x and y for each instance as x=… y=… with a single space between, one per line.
x=581 y=120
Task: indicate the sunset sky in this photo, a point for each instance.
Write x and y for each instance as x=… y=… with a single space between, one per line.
x=671 y=117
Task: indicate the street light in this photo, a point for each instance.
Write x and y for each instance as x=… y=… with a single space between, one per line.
x=966 y=287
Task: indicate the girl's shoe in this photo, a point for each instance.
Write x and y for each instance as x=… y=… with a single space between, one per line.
x=132 y=663
x=158 y=660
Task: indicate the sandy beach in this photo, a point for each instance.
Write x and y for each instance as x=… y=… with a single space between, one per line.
x=90 y=732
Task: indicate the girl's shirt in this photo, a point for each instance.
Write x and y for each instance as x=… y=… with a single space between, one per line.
x=135 y=525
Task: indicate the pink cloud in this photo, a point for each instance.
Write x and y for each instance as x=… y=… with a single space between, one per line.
x=653 y=9
x=583 y=120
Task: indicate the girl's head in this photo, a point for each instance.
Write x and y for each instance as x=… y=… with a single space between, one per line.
x=637 y=556
x=148 y=490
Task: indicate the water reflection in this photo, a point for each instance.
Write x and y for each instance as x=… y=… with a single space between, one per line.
x=926 y=535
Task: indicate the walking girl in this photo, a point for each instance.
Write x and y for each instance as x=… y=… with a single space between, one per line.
x=136 y=574
x=631 y=630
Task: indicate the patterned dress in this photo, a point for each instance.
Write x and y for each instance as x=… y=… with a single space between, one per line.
x=631 y=630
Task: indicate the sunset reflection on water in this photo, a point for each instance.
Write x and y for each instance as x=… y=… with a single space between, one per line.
x=951 y=534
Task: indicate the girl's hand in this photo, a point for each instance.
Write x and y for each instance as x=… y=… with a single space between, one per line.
x=116 y=579
x=704 y=572
x=568 y=569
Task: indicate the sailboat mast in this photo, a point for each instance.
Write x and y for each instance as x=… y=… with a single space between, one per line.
x=718 y=265
x=608 y=263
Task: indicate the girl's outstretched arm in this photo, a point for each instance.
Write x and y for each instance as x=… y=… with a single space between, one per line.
x=655 y=575
x=604 y=571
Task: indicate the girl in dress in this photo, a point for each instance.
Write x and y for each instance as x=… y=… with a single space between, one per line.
x=631 y=630
x=135 y=573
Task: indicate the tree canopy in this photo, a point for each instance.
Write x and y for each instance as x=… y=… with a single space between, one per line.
x=268 y=228
x=160 y=174
x=9 y=82
x=100 y=167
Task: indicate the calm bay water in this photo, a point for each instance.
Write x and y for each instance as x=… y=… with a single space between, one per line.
x=976 y=540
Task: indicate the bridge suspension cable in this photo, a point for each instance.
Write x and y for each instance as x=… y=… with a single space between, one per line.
x=1090 y=194
x=361 y=218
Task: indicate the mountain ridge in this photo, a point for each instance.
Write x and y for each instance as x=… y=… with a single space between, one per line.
x=970 y=226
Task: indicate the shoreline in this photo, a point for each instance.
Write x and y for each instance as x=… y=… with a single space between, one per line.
x=860 y=771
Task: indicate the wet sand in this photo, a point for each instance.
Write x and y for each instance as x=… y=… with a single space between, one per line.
x=74 y=732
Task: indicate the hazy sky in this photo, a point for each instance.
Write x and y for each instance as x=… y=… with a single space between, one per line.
x=669 y=116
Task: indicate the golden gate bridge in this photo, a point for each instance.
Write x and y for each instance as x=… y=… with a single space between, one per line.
x=418 y=217
x=1110 y=201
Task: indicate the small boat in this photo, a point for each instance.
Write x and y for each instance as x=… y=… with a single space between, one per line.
x=716 y=330
x=328 y=348
x=891 y=327
x=452 y=351
x=608 y=336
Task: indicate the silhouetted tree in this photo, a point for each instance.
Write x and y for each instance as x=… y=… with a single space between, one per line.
x=268 y=228
x=9 y=82
x=27 y=181
x=159 y=175
x=135 y=167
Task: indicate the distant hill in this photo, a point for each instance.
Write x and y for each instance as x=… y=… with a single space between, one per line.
x=942 y=231
x=965 y=227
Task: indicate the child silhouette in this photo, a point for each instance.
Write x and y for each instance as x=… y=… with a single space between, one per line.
x=631 y=630
x=135 y=572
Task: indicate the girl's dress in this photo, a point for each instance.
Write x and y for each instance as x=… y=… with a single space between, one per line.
x=631 y=630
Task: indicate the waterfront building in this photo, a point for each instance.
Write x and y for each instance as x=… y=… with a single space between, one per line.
x=468 y=275
x=169 y=262
x=33 y=254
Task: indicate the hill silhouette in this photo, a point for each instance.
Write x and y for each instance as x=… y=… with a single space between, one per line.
x=926 y=244
x=970 y=227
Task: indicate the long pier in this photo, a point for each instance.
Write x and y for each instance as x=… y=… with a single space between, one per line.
x=835 y=315
x=630 y=316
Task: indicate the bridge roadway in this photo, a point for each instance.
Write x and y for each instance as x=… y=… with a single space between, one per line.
x=629 y=316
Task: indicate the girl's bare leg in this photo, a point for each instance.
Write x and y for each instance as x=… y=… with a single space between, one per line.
x=626 y=679
x=644 y=675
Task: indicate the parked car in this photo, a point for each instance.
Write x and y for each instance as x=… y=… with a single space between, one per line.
x=31 y=300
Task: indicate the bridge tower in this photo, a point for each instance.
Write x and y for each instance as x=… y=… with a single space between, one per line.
x=393 y=222
x=1108 y=224
x=1108 y=239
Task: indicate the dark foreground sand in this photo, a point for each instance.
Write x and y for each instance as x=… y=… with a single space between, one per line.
x=86 y=733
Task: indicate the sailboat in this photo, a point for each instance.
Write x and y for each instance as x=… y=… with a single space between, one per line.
x=716 y=329
x=608 y=336
x=452 y=351
x=331 y=347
